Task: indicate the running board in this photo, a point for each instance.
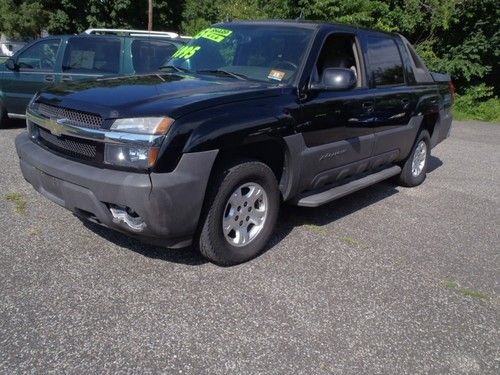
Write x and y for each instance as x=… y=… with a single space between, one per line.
x=318 y=199
x=16 y=116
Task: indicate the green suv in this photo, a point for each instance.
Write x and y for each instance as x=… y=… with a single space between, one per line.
x=64 y=58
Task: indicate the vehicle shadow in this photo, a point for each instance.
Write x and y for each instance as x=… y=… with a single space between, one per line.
x=290 y=217
x=15 y=123
x=187 y=255
x=294 y=216
x=434 y=163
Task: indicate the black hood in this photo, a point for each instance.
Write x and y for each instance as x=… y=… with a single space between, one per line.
x=153 y=94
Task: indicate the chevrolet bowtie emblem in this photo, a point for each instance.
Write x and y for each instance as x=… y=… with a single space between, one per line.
x=56 y=126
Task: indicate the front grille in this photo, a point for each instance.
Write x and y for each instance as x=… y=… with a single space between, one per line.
x=77 y=118
x=74 y=147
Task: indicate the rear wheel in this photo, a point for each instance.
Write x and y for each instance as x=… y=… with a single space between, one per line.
x=240 y=215
x=415 y=167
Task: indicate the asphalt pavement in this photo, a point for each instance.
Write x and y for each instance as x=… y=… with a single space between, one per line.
x=388 y=280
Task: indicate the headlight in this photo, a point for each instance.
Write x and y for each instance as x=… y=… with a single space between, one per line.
x=132 y=156
x=143 y=125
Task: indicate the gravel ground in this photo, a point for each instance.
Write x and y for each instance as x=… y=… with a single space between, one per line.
x=387 y=280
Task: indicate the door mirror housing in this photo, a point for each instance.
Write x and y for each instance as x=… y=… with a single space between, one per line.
x=11 y=64
x=335 y=79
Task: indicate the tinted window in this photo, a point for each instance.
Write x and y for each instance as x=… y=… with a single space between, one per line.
x=416 y=59
x=40 y=56
x=149 y=55
x=385 y=61
x=92 y=55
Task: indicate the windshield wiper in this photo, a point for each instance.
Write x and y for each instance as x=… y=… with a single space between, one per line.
x=176 y=68
x=225 y=72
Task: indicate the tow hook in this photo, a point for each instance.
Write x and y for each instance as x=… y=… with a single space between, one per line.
x=128 y=216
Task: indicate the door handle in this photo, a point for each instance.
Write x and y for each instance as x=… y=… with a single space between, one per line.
x=66 y=78
x=49 y=78
x=368 y=106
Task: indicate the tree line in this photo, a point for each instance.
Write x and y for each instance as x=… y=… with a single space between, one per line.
x=460 y=37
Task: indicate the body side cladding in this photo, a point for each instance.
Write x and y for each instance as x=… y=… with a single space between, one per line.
x=305 y=169
x=400 y=138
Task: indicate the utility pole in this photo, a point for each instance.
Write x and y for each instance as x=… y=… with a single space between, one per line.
x=150 y=15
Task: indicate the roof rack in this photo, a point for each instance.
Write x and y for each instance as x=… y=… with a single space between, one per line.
x=168 y=34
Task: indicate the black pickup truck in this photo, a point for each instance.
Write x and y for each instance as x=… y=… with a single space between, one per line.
x=244 y=117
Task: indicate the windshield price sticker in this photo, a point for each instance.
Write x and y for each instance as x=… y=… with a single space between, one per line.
x=186 y=52
x=214 y=34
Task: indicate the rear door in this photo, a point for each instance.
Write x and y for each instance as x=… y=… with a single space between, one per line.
x=37 y=68
x=394 y=100
x=90 y=57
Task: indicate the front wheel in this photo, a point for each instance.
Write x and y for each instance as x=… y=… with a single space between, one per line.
x=240 y=213
x=415 y=167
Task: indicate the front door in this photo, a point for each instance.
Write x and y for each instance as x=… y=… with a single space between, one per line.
x=36 y=69
x=336 y=125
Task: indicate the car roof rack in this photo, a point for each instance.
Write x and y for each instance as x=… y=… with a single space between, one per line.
x=126 y=32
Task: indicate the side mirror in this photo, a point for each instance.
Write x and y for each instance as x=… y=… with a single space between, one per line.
x=11 y=64
x=335 y=79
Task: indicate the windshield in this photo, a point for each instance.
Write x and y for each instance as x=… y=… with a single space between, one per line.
x=255 y=52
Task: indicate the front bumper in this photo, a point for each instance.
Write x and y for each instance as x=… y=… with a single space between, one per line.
x=170 y=204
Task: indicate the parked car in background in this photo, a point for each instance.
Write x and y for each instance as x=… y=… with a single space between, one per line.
x=8 y=49
x=64 y=58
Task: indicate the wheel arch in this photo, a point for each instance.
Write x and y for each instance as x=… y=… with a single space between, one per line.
x=271 y=151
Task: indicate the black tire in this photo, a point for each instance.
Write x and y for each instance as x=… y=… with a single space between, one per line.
x=211 y=240
x=407 y=177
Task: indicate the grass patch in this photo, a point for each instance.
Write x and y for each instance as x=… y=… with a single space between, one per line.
x=316 y=229
x=473 y=293
x=18 y=200
x=453 y=285
x=449 y=284
x=477 y=103
x=350 y=241
x=34 y=231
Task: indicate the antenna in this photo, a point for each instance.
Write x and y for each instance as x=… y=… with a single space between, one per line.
x=301 y=16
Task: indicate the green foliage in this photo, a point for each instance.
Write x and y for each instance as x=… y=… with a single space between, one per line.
x=469 y=48
x=354 y=12
x=22 y=19
x=198 y=14
x=478 y=103
x=27 y=18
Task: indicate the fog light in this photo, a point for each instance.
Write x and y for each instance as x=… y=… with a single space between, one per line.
x=32 y=129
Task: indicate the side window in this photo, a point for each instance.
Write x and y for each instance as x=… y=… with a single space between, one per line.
x=385 y=61
x=149 y=55
x=40 y=56
x=92 y=55
x=338 y=51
